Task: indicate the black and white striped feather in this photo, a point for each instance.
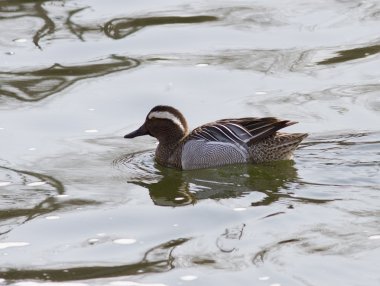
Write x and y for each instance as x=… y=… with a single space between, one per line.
x=240 y=131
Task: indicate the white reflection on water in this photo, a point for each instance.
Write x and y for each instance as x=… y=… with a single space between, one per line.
x=91 y=131
x=52 y=217
x=124 y=241
x=4 y=245
x=36 y=184
x=188 y=277
x=3 y=184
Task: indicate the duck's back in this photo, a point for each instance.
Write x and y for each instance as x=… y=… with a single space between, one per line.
x=233 y=141
x=279 y=146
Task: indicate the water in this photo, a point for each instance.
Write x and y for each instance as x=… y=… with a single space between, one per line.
x=80 y=205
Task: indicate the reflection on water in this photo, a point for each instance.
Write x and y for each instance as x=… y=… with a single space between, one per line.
x=155 y=260
x=122 y=27
x=18 y=9
x=260 y=60
x=260 y=257
x=235 y=233
x=35 y=85
x=170 y=187
x=30 y=195
x=351 y=54
x=115 y=28
x=42 y=10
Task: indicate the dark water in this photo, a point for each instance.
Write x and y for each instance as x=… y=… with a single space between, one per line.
x=80 y=205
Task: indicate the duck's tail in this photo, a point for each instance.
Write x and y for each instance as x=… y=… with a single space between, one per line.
x=279 y=146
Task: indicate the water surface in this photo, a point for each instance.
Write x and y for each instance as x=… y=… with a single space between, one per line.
x=80 y=205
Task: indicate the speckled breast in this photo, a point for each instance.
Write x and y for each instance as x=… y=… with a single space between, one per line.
x=199 y=154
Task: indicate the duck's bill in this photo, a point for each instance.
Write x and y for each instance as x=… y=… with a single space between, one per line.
x=139 y=132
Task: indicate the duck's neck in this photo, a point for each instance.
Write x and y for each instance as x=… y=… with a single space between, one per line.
x=169 y=153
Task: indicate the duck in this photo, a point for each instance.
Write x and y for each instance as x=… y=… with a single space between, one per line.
x=247 y=140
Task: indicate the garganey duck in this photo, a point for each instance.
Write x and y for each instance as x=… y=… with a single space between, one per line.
x=223 y=142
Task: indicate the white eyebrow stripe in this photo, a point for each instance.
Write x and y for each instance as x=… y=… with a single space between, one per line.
x=167 y=115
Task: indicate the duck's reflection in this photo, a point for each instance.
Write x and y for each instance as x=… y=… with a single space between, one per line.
x=169 y=187
x=179 y=188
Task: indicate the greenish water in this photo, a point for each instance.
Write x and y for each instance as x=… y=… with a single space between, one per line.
x=80 y=205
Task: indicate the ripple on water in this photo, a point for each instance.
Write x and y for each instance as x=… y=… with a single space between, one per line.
x=14 y=190
x=164 y=184
x=138 y=166
x=347 y=159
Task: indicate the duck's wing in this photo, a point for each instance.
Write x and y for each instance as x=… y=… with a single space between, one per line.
x=241 y=131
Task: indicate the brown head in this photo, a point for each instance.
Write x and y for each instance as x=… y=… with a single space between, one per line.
x=165 y=123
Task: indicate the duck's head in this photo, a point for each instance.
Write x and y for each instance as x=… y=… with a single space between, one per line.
x=165 y=123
